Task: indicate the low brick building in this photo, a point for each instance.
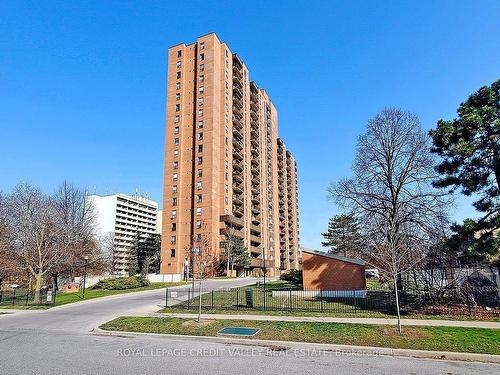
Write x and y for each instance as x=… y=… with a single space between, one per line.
x=326 y=271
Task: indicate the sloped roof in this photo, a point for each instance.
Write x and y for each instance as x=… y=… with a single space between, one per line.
x=333 y=256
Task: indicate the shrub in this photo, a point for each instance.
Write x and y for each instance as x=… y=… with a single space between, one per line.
x=120 y=283
x=293 y=276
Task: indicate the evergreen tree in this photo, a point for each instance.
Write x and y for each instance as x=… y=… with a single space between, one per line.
x=342 y=236
x=470 y=148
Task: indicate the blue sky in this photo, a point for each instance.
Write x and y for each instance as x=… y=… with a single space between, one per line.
x=82 y=84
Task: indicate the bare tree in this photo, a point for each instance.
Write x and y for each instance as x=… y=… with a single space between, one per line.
x=391 y=194
x=45 y=231
x=10 y=264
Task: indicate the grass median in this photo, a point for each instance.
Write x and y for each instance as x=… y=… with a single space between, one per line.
x=455 y=339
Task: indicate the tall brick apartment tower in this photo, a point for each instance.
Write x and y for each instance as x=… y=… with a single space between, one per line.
x=224 y=164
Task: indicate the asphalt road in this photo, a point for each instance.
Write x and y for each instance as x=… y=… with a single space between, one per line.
x=58 y=341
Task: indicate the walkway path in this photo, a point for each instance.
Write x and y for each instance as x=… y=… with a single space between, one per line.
x=378 y=321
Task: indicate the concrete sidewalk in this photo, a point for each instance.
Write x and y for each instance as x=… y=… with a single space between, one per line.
x=377 y=321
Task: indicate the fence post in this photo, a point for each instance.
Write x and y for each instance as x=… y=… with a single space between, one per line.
x=355 y=300
x=27 y=297
x=189 y=296
x=290 y=300
x=212 y=299
x=166 y=297
x=264 y=297
x=14 y=298
x=321 y=299
x=237 y=298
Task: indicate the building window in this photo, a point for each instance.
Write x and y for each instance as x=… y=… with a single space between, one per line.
x=200 y=172
x=178 y=64
x=177 y=107
x=226 y=188
x=179 y=53
x=202 y=45
x=174 y=189
x=202 y=67
x=200 y=124
x=173 y=227
x=200 y=136
x=199 y=198
x=199 y=185
x=174 y=201
x=200 y=113
x=178 y=86
x=200 y=148
x=226 y=163
x=172 y=253
x=177 y=118
x=198 y=224
x=176 y=130
x=176 y=176
x=200 y=160
x=200 y=102
x=202 y=56
x=198 y=211
x=176 y=165
x=177 y=96
x=202 y=89
x=198 y=237
x=173 y=215
x=172 y=240
x=226 y=200
x=178 y=75
x=226 y=176
x=202 y=78
x=176 y=153
x=176 y=141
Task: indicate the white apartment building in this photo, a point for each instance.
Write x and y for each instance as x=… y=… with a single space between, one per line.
x=123 y=217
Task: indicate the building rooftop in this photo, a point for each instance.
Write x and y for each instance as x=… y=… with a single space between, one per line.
x=333 y=256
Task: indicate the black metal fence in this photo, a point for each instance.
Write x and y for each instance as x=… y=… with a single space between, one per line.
x=321 y=301
x=23 y=297
x=259 y=298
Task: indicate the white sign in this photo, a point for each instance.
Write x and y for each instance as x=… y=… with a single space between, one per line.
x=49 y=296
x=173 y=294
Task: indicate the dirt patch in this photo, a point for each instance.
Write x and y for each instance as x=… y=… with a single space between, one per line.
x=196 y=324
x=461 y=311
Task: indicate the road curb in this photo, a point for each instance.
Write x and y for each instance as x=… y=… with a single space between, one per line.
x=368 y=351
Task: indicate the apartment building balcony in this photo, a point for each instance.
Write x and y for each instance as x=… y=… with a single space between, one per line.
x=237 y=135
x=237 y=90
x=237 y=75
x=238 y=211
x=232 y=232
x=254 y=133
x=232 y=220
x=255 y=228
x=256 y=210
x=254 y=115
x=238 y=188
x=255 y=199
x=255 y=152
x=237 y=111
x=253 y=105
x=255 y=220
x=238 y=166
x=237 y=177
x=238 y=154
x=255 y=179
x=256 y=239
x=258 y=263
x=237 y=199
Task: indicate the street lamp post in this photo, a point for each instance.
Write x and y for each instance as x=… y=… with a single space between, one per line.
x=86 y=258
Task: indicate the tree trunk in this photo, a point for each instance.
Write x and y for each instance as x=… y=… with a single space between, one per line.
x=397 y=303
x=38 y=286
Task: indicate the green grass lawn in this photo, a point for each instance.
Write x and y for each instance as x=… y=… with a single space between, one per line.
x=65 y=298
x=472 y=340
